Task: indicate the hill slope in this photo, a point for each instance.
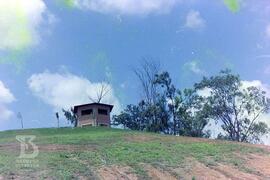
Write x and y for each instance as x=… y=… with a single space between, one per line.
x=101 y=153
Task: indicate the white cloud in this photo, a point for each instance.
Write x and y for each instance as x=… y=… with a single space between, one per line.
x=19 y=23
x=129 y=7
x=265 y=118
x=206 y=92
x=64 y=90
x=193 y=66
x=6 y=97
x=258 y=84
x=194 y=20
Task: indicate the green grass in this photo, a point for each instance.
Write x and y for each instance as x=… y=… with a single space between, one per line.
x=103 y=146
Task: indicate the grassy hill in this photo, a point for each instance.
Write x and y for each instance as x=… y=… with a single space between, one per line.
x=101 y=153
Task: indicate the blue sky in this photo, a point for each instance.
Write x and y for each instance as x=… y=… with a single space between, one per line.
x=54 y=54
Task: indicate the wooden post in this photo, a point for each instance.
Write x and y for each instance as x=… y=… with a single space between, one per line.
x=19 y=116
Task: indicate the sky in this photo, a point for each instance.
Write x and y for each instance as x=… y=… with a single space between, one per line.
x=56 y=53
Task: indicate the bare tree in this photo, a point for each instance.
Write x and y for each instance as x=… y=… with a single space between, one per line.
x=101 y=92
x=146 y=73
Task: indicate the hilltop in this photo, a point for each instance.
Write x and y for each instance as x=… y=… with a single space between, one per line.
x=103 y=153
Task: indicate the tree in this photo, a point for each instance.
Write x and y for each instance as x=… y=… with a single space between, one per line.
x=132 y=117
x=146 y=75
x=101 y=92
x=235 y=107
x=154 y=102
x=139 y=117
x=71 y=116
x=161 y=122
x=187 y=108
x=192 y=113
x=165 y=81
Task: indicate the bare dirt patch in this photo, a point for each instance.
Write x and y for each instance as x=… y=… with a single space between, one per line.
x=15 y=147
x=200 y=171
x=158 y=174
x=261 y=164
x=265 y=147
x=194 y=169
x=26 y=175
x=116 y=173
x=10 y=147
x=234 y=173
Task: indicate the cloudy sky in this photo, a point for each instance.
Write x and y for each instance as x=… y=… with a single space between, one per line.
x=54 y=53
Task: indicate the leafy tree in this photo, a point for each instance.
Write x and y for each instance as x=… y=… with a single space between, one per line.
x=139 y=117
x=193 y=113
x=132 y=117
x=236 y=108
x=161 y=122
x=71 y=116
x=170 y=91
x=188 y=110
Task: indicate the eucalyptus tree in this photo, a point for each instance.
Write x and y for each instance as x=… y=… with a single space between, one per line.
x=139 y=117
x=235 y=107
x=170 y=92
x=193 y=113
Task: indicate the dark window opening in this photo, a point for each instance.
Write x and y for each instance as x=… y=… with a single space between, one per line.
x=87 y=112
x=102 y=111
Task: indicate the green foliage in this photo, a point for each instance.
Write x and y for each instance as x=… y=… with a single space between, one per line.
x=71 y=116
x=187 y=108
x=185 y=112
x=145 y=117
x=165 y=81
x=192 y=112
x=235 y=107
x=172 y=112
